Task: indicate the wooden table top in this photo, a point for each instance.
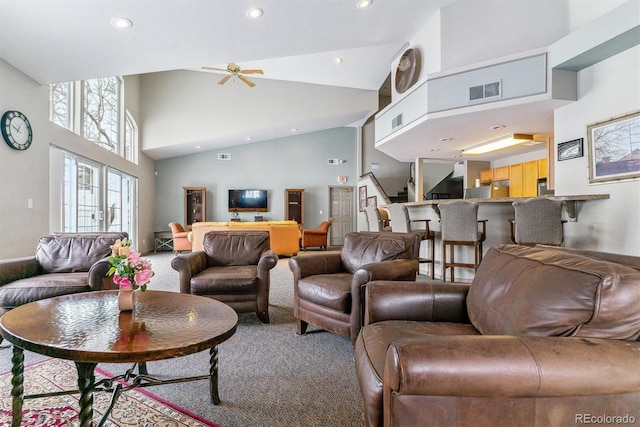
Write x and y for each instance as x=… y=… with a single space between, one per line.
x=89 y=327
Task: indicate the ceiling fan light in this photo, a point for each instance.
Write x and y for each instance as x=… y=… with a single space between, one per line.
x=498 y=144
x=254 y=13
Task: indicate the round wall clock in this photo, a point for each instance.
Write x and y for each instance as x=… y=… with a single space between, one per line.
x=408 y=70
x=16 y=130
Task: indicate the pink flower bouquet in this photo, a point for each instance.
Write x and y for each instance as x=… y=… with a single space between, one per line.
x=128 y=269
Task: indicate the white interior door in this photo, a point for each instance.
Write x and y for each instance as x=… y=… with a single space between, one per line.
x=341 y=207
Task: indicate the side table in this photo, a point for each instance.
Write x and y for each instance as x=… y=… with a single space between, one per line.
x=163 y=241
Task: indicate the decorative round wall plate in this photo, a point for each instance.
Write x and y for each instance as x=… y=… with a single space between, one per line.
x=408 y=70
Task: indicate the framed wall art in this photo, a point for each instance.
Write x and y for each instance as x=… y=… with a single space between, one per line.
x=362 y=197
x=571 y=149
x=614 y=148
x=372 y=201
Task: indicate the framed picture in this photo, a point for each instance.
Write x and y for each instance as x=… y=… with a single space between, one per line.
x=362 y=197
x=372 y=201
x=571 y=149
x=614 y=148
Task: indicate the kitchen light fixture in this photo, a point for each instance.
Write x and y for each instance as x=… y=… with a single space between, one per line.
x=498 y=144
x=122 y=22
x=254 y=13
x=363 y=3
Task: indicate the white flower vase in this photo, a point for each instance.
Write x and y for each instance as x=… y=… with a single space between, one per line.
x=125 y=299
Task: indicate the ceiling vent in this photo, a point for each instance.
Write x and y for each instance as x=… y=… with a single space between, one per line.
x=485 y=91
x=224 y=156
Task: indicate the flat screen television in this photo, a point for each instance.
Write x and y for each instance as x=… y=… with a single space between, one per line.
x=248 y=201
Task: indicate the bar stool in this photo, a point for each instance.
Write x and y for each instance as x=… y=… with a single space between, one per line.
x=375 y=222
x=401 y=223
x=537 y=221
x=459 y=226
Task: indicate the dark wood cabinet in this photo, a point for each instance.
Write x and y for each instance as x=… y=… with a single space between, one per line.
x=294 y=205
x=194 y=205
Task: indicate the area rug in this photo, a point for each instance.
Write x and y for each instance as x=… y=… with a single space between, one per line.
x=135 y=407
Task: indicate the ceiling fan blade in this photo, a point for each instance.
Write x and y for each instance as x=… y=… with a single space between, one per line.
x=252 y=72
x=224 y=79
x=214 y=68
x=246 y=81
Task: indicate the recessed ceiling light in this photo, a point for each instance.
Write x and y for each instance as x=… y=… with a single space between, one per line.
x=338 y=60
x=122 y=22
x=363 y=3
x=447 y=139
x=254 y=13
x=294 y=130
x=198 y=147
x=249 y=138
x=496 y=127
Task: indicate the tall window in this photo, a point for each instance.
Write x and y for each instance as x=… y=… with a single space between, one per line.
x=101 y=112
x=103 y=119
x=60 y=103
x=92 y=198
x=121 y=194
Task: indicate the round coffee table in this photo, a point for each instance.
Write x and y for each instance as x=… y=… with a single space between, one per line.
x=88 y=329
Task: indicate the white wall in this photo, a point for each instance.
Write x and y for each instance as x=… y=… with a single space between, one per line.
x=25 y=174
x=293 y=162
x=607 y=89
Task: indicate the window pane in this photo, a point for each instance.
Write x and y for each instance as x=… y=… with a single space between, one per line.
x=101 y=103
x=60 y=104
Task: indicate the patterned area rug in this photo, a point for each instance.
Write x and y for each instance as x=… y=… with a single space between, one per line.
x=134 y=407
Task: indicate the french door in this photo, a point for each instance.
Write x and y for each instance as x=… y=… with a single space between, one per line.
x=87 y=196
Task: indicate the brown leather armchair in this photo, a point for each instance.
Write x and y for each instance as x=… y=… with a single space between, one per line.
x=64 y=263
x=180 y=238
x=540 y=337
x=327 y=286
x=233 y=268
x=315 y=236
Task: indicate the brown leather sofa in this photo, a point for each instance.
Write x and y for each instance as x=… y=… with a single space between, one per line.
x=327 y=286
x=64 y=263
x=541 y=337
x=233 y=268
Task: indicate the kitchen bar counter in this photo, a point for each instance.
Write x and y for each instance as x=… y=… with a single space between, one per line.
x=570 y=202
x=497 y=212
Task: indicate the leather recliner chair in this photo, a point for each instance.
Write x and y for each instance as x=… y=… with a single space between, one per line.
x=327 y=286
x=233 y=268
x=542 y=335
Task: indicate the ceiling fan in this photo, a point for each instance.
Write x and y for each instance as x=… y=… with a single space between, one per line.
x=235 y=70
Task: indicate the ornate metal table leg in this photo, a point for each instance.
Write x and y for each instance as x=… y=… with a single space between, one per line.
x=17 y=388
x=86 y=380
x=213 y=375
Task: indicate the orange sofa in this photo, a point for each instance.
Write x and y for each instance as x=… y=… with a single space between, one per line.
x=284 y=236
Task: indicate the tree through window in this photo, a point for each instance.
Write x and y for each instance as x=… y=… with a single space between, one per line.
x=101 y=111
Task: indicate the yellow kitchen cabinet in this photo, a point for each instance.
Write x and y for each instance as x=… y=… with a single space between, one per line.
x=542 y=168
x=486 y=176
x=516 y=179
x=530 y=179
x=501 y=173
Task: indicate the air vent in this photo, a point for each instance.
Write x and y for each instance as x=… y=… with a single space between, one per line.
x=396 y=121
x=224 y=156
x=485 y=91
x=333 y=161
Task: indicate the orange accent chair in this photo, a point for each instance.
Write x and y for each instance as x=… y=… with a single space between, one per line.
x=180 y=238
x=315 y=236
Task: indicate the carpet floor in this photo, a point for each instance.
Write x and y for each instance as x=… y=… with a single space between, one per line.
x=133 y=408
x=268 y=375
